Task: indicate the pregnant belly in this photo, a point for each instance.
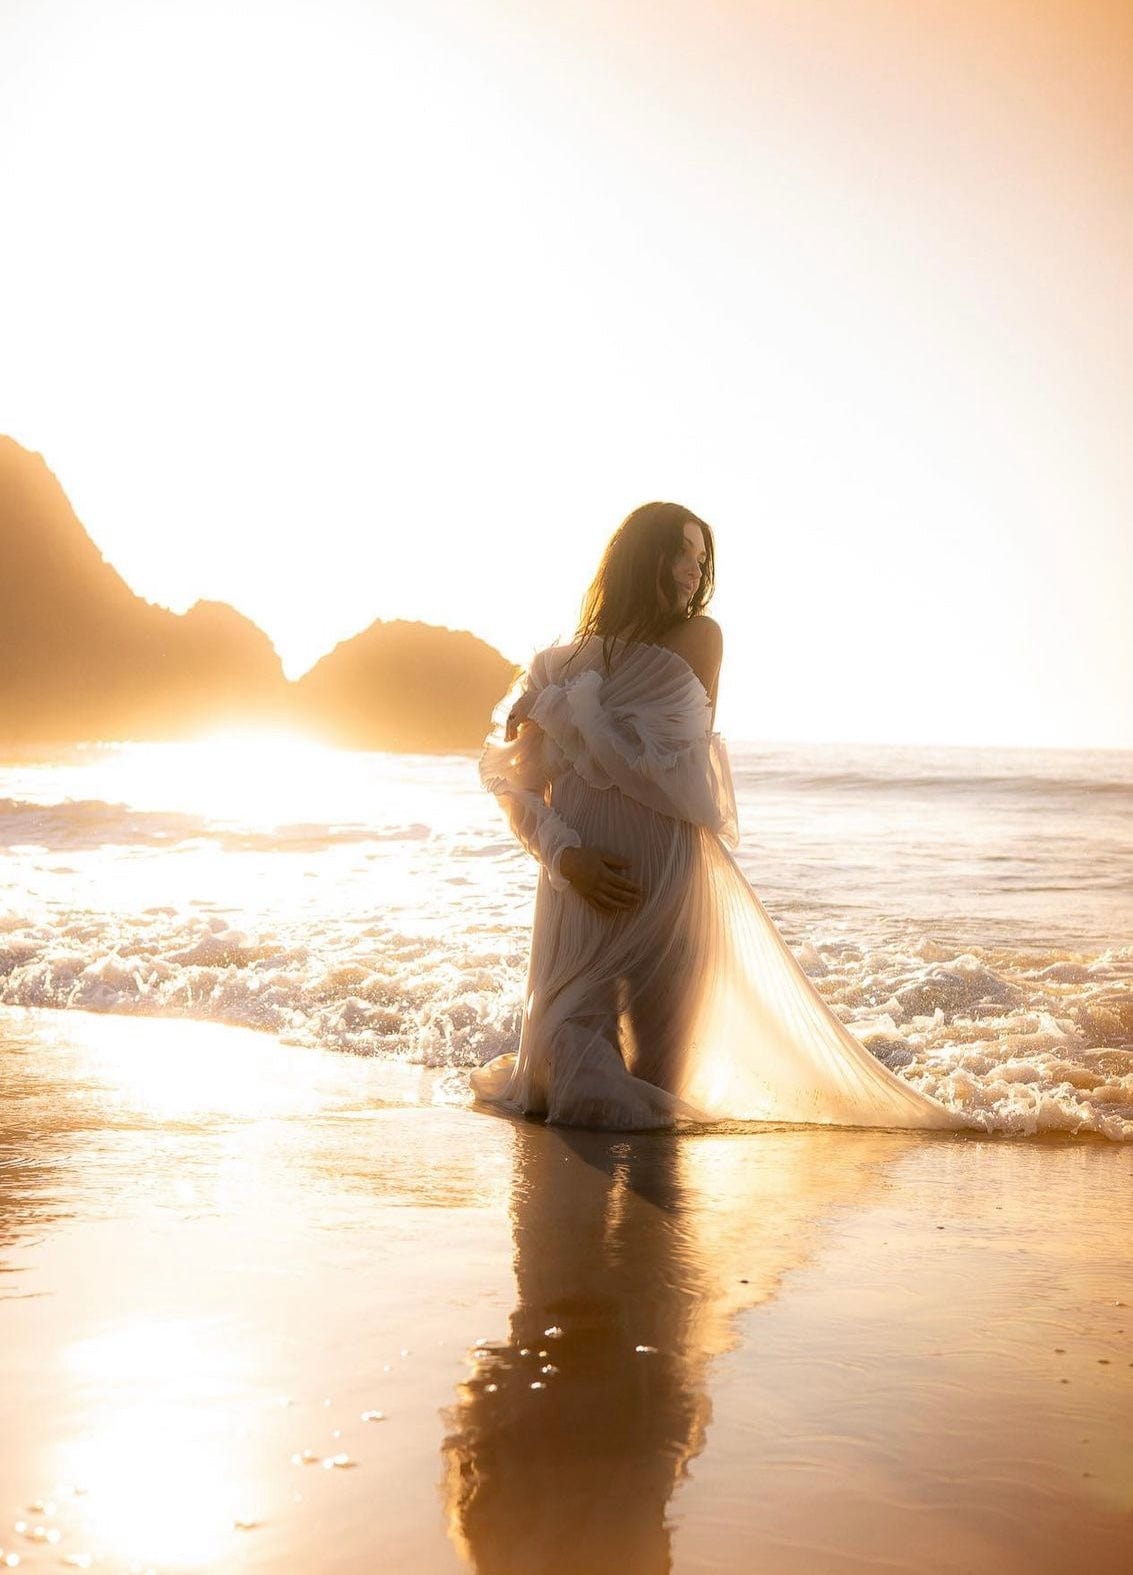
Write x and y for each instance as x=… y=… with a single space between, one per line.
x=661 y=850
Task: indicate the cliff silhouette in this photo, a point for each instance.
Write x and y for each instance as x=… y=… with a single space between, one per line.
x=83 y=657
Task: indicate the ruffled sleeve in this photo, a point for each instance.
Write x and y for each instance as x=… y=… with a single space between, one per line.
x=518 y=774
x=644 y=729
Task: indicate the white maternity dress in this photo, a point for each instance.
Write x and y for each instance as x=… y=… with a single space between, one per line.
x=689 y=1006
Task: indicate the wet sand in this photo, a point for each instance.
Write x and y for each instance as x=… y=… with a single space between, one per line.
x=793 y=1350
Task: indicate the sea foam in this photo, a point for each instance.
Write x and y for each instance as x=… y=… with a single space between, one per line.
x=400 y=927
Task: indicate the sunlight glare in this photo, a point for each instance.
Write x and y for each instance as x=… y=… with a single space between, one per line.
x=158 y=1472
x=183 y=1069
x=255 y=778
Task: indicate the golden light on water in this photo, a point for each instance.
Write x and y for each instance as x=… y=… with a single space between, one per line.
x=179 y=1388
x=177 y=1071
x=159 y=1460
x=261 y=778
x=268 y=779
x=198 y=827
x=158 y=1463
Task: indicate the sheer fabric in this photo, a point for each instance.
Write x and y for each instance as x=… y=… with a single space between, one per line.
x=689 y=1007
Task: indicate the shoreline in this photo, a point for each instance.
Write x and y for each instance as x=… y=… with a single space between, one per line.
x=805 y=1348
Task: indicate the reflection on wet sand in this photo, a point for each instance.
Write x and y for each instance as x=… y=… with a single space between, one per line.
x=633 y=1256
x=165 y=1189
x=223 y=1255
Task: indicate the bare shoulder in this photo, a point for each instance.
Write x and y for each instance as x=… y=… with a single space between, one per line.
x=701 y=633
x=700 y=641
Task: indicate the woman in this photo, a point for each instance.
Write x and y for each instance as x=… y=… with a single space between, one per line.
x=659 y=991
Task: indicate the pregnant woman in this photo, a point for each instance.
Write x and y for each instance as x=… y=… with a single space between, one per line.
x=659 y=992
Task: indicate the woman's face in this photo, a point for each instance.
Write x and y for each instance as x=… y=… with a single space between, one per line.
x=688 y=566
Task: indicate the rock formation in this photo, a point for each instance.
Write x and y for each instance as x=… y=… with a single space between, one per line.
x=83 y=657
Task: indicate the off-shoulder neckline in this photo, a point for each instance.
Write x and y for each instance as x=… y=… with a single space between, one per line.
x=648 y=645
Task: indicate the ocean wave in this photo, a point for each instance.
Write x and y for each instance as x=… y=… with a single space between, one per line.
x=753 y=775
x=1019 y=1042
x=94 y=823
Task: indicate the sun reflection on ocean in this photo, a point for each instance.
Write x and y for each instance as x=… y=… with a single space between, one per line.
x=185 y=1070
x=255 y=779
x=156 y=1462
x=247 y=846
x=247 y=777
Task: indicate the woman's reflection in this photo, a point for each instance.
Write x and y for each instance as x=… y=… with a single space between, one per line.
x=632 y=1256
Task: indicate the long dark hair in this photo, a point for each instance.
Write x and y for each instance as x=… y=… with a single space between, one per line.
x=622 y=600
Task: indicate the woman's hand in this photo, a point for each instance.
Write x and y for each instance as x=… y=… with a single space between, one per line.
x=517 y=716
x=593 y=873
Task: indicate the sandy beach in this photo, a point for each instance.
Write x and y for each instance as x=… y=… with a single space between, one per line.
x=277 y=1308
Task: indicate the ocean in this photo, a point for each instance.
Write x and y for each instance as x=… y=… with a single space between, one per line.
x=967 y=912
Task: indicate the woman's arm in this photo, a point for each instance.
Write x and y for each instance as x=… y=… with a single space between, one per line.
x=596 y=874
x=516 y=774
x=700 y=642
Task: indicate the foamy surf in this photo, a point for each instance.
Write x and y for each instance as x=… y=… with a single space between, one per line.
x=399 y=927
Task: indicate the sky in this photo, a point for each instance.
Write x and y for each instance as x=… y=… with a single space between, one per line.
x=349 y=309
